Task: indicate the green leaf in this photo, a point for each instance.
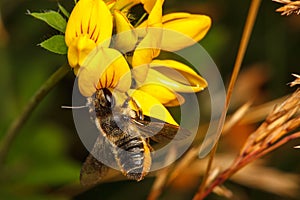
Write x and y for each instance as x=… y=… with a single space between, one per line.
x=63 y=10
x=55 y=44
x=53 y=19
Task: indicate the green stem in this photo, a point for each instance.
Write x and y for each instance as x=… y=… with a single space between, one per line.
x=17 y=124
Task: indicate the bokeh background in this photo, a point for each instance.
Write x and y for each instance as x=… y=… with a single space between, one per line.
x=45 y=159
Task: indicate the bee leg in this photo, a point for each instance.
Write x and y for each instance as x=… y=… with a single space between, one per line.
x=126 y=102
x=148 y=144
x=139 y=113
x=139 y=109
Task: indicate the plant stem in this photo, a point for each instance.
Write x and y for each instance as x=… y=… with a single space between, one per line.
x=243 y=46
x=207 y=170
x=237 y=66
x=242 y=162
x=17 y=124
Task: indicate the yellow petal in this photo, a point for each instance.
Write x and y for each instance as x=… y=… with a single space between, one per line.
x=195 y=26
x=110 y=3
x=148 y=5
x=78 y=49
x=169 y=97
x=90 y=19
x=154 y=33
x=157 y=78
x=143 y=55
x=149 y=47
x=126 y=38
x=151 y=106
x=180 y=73
x=117 y=75
x=104 y=68
x=189 y=25
x=139 y=63
x=155 y=16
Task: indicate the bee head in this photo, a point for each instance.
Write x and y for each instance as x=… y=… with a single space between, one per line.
x=105 y=98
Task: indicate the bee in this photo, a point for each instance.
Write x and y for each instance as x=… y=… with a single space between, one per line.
x=123 y=140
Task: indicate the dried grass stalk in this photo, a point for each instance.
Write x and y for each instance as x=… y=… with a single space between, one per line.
x=278 y=123
x=296 y=81
x=272 y=133
x=289 y=8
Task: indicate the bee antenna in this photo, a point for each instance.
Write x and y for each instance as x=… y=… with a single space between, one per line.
x=74 y=107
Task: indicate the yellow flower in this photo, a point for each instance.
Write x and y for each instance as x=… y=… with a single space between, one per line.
x=114 y=73
x=168 y=77
x=89 y=25
x=156 y=32
x=104 y=68
x=108 y=68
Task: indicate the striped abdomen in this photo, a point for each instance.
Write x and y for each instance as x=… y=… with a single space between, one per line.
x=133 y=157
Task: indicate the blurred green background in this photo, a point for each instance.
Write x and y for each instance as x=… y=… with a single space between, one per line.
x=47 y=154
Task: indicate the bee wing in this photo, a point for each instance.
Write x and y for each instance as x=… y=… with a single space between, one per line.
x=92 y=169
x=160 y=131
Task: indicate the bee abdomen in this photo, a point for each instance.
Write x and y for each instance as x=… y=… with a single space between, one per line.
x=129 y=144
x=133 y=156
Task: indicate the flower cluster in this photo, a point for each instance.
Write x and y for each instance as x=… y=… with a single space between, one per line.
x=109 y=47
